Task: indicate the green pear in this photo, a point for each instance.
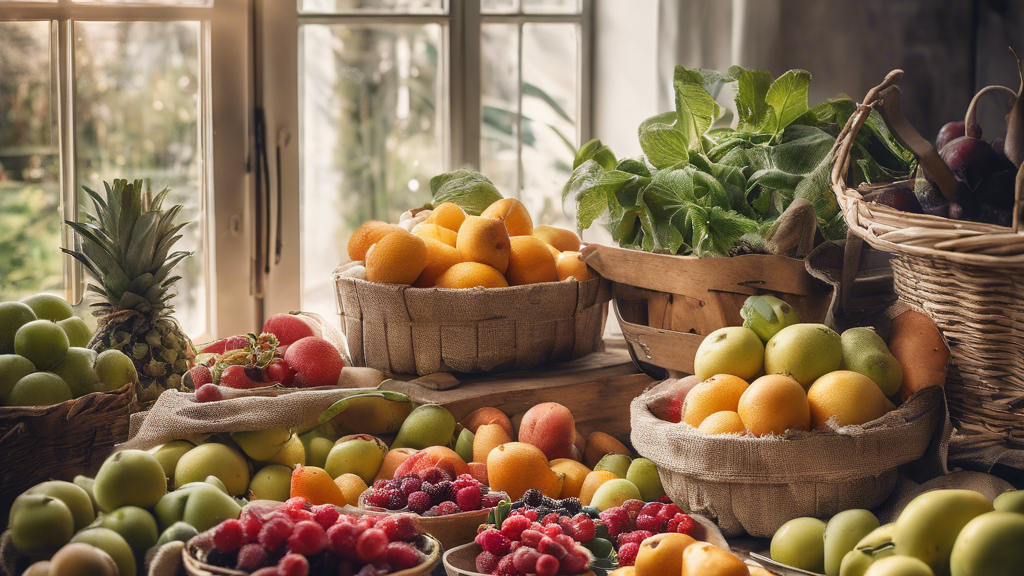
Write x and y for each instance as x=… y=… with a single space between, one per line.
x=617 y=464
x=77 y=330
x=207 y=506
x=168 y=454
x=865 y=352
x=76 y=370
x=428 y=425
x=113 y=544
x=644 y=474
x=137 y=526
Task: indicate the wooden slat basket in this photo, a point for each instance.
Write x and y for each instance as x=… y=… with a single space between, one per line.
x=666 y=304
x=398 y=329
x=968 y=277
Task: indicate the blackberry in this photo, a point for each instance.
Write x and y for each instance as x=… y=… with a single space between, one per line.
x=517 y=505
x=439 y=492
x=572 y=506
x=543 y=511
x=549 y=502
x=533 y=498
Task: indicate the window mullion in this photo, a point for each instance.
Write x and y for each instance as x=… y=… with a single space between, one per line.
x=519 y=112
x=464 y=78
x=65 y=64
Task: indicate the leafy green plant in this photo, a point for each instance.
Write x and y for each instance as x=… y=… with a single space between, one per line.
x=709 y=190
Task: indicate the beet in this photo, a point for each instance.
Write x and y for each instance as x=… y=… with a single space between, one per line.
x=953 y=130
x=997 y=188
x=1001 y=216
x=895 y=196
x=930 y=198
x=971 y=159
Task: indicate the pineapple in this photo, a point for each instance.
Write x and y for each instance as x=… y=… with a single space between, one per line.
x=126 y=247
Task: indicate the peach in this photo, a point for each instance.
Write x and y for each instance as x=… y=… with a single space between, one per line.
x=487 y=415
x=599 y=445
x=392 y=460
x=433 y=456
x=550 y=427
x=289 y=328
x=316 y=362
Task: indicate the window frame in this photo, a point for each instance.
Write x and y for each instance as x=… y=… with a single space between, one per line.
x=224 y=125
x=278 y=23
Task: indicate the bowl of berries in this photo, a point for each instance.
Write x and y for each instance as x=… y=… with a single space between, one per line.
x=449 y=507
x=298 y=539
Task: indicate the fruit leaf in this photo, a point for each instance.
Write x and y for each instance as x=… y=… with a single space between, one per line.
x=596 y=151
x=751 y=90
x=787 y=98
x=696 y=110
x=468 y=189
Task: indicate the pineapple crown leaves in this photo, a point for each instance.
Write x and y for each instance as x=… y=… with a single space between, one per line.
x=126 y=246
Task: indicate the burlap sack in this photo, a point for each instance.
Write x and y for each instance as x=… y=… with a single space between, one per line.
x=403 y=330
x=754 y=485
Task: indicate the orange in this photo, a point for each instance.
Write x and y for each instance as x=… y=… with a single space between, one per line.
x=570 y=264
x=351 y=486
x=662 y=555
x=598 y=445
x=575 y=475
x=704 y=558
x=512 y=212
x=592 y=482
x=488 y=437
x=440 y=257
x=623 y=571
x=773 y=404
x=487 y=415
x=316 y=485
x=367 y=235
x=851 y=397
x=530 y=262
x=554 y=252
x=485 y=241
x=392 y=460
x=724 y=422
x=398 y=258
x=563 y=240
x=471 y=275
x=435 y=232
x=478 y=470
x=516 y=467
x=718 y=393
x=447 y=215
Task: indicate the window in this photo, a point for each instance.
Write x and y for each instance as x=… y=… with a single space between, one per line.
x=392 y=92
x=89 y=92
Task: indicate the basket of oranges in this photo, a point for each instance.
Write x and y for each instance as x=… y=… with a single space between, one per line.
x=470 y=285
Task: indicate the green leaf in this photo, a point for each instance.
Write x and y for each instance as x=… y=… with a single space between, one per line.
x=751 y=92
x=596 y=151
x=716 y=231
x=470 y=190
x=581 y=185
x=696 y=110
x=665 y=146
x=787 y=98
x=666 y=118
x=633 y=166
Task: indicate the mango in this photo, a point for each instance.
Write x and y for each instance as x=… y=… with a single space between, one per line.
x=644 y=474
x=928 y=527
x=617 y=464
x=359 y=454
x=865 y=352
x=662 y=554
x=991 y=544
x=373 y=415
x=899 y=566
x=804 y=351
x=732 y=350
x=703 y=559
x=1010 y=502
x=800 y=543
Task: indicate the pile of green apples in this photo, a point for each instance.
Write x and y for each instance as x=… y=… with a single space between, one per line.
x=120 y=514
x=939 y=533
x=44 y=359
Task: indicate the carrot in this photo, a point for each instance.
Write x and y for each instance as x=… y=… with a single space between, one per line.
x=916 y=343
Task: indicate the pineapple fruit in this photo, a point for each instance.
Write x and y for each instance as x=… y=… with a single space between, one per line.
x=126 y=246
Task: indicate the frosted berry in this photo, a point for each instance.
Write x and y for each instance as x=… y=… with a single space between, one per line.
x=399 y=527
x=506 y=567
x=651 y=509
x=490 y=501
x=494 y=542
x=380 y=484
x=552 y=530
x=669 y=512
x=486 y=562
x=530 y=538
x=583 y=528
x=251 y=524
x=419 y=502
x=464 y=481
x=377 y=498
x=632 y=508
x=434 y=475
x=200 y=375
x=251 y=557
x=550 y=519
x=396 y=500
x=341 y=539
x=275 y=533
x=298 y=503
x=410 y=484
x=325 y=515
x=469 y=498
x=575 y=562
x=209 y=393
x=308 y=538
x=513 y=526
x=402 y=555
x=681 y=524
x=627 y=554
x=525 y=559
x=293 y=565
x=372 y=545
x=447 y=508
x=549 y=546
x=547 y=565
x=228 y=536
x=533 y=498
x=649 y=523
x=616 y=520
x=634 y=537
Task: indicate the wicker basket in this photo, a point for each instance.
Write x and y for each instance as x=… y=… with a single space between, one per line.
x=193 y=567
x=666 y=304
x=41 y=443
x=451 y=531
x=403 y=330
x=754 y=485
x=967 y=276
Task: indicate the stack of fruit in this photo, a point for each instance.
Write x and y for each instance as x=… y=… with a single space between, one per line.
x=673 y=554
x=813 y=376
x=942 y=532
x=433 y=491
x=43 y=358
x=289 y=352
x=448 y=248
x=523 y=545
x=297 y=539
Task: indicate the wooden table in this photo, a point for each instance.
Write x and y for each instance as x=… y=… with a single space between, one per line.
x=596 y=388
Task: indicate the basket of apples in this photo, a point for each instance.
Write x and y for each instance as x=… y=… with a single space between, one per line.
x=298 y=539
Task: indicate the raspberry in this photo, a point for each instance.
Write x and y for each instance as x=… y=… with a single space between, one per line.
x=669 y=512
x=652 y=524
x=493 y=541
x=575 y=562
x=228 y=536
x=434 y=475
x=547 y=565
x=533 y=498
x=525 y=559
x=552 y=530
x=490 y=501
x=530 y=538
x=410 y=484
x=486 y=562
x=447 y=508
x=399 y=527
x=275 y=533
x=298 y=503
x=396 y=500
x=633 y=508
x=616 y=520
x=341 y=539
x=402 y=555
x=251 y=557
x=419 y=502
x=308 y=539
x=532 y=515
x=293 y=565
x=465 y=481
x=506 y=567
x=664 y=499
x=209 y=393
x=565 y=541
x=651 y=509
x=627 y=554
x=468 y=498
x=551 y=518
x=367 y=522
x=325 y=515
x=583 y=528
x=300 y=515
x=372 y=545
x=681 y=524
x=635 y=537
x=549 y=546
x=380 y=484
x=377 y=498
x=513 y=526
x=572 y=506
x=200 y=375
x=251 y=525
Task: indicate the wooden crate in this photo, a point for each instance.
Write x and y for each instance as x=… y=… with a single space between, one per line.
x=597 y=389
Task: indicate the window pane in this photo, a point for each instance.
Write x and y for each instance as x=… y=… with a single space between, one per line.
x=499 y=99
x=550 y=73
x=137 y=112
x=374 y=6
x=551 y=6
x=373 y=118
x=499 y=6
x=30 y=257
x=161 y=2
